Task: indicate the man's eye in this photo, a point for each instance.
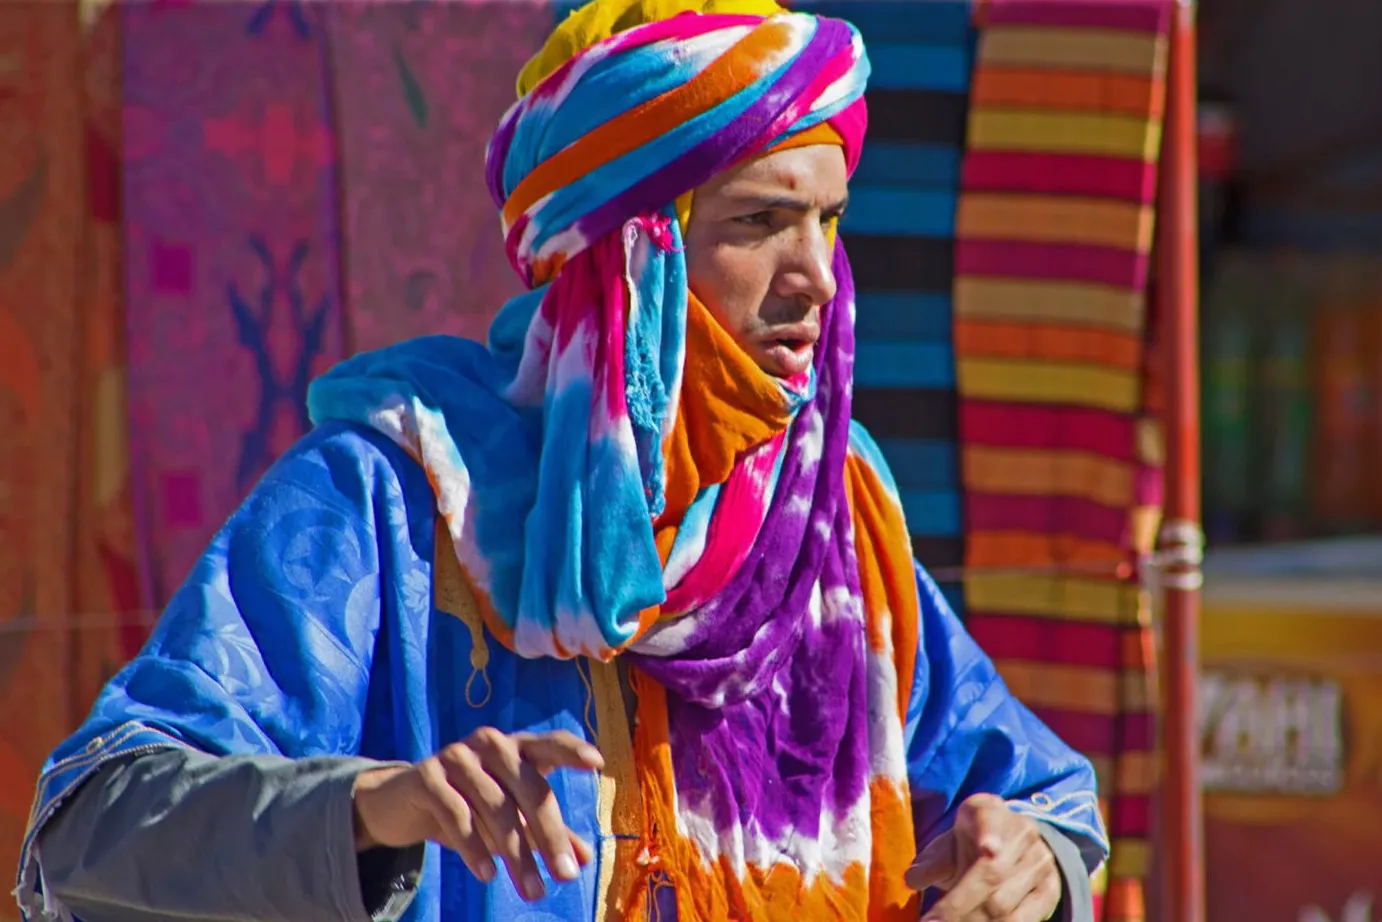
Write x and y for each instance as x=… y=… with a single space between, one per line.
x=757 y=219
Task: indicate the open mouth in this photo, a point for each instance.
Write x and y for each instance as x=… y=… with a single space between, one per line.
x=789 y=356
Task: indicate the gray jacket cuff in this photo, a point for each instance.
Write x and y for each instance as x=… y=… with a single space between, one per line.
x=1077 y=896
x=241 y=838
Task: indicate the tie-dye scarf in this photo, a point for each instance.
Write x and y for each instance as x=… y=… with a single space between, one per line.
x=727 y=532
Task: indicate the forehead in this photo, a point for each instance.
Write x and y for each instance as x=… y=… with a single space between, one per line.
x=816 y=173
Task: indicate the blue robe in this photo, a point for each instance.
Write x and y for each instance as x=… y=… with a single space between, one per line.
x=309 y=628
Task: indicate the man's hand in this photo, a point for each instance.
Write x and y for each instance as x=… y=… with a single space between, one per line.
x=483 y=797
x=994 y=865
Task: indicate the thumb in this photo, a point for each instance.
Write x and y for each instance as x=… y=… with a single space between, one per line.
x=936 y=866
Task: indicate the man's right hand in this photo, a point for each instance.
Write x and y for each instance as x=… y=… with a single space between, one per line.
x=484 y=797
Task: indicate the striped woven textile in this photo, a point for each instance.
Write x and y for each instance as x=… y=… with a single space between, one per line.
x=1059 y=454
x=900 y=233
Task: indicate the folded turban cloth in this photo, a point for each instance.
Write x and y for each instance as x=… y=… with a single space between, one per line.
x=616 y=123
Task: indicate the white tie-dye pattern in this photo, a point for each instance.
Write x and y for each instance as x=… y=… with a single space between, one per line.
x=616 y=429
x=394 y=418
x=839 y=604
x=887 y=753
x=529 y=383
x=637 y=251
x=564 y=242
x=534 y=221
x=699 y=827
x=572 y=363
x=887 y=758
x=843 y=842
x=847 y=840
x=686 y=552
x=706 y=48
x=843 y=88
x=421 y=432
x=577 y=632
x=440 y=457
x=700 y=51
x=812 y=440
x=454 y=496
x=746 y=684
x=759 y=478
x=543 y=101
x=801 y=26
x=667 y=638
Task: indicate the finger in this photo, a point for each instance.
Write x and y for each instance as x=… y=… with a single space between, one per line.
x=1033 y=869
x=559 y=749
x=935 y=866
x=1018 y=834
x=455 y=824
x=1041 y=902
x=544 y=825
x=495 y=811
x=983 y=819
x=966 y=899
x=584 y=852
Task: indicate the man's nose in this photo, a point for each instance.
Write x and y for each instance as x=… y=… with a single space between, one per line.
x=808 y=274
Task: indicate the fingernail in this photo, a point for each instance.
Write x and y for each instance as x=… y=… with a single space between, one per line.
x=486 y=871
x=566 y=868
x=591 y=754
x=533 y=888
x=585 y=852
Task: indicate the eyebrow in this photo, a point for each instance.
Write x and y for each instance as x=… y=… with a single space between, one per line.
x=788 y=202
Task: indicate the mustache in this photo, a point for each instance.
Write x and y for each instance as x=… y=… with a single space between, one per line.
x=786 y=313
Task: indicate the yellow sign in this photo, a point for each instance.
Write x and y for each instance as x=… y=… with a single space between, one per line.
x=1291 y=735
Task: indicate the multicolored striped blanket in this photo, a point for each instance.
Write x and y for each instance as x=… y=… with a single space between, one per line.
x=1058 y=440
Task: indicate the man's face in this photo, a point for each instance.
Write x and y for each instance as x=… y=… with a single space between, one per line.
x=758 y=251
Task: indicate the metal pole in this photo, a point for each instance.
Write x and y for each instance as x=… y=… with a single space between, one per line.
x=1182 y=541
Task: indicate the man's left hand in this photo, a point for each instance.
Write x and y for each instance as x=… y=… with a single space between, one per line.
x=994 y=866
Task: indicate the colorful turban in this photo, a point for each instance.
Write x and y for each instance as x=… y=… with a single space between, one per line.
x=636 y=118
x=619 y=478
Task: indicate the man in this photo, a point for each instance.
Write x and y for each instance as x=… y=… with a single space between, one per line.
x=613 y=619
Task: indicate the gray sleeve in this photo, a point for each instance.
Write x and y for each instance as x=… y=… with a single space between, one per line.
x=181 y=834
x=1077 y=897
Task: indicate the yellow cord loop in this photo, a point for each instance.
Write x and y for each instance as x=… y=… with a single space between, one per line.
x=451 y=593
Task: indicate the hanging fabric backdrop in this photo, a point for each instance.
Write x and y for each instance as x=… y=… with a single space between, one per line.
x=203 y=205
